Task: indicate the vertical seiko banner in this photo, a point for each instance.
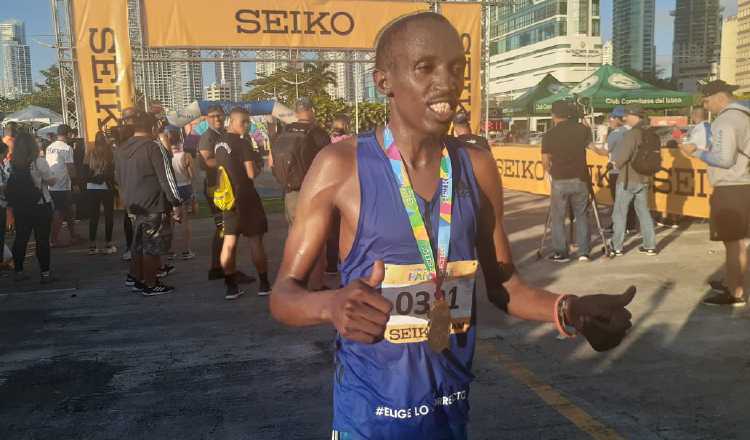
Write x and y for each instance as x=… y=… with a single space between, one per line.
x=467 y=19
x=100 y=31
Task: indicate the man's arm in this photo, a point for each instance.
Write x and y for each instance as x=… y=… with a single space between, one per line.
x=357 y=311
x=725 y=149
x=546 y=152
x=162 y=164
x=206 y=150
x=623 y=153
x=505 y=288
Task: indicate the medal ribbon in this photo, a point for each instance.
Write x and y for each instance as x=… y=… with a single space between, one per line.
x=409 y=198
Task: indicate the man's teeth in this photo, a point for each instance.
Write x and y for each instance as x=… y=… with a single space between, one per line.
x=441 y=107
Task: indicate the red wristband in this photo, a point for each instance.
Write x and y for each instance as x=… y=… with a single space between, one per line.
x=559 y=318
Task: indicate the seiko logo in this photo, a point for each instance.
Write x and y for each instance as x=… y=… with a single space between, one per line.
x=265 y=21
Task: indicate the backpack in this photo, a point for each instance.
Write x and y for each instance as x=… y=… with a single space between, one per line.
x=21 y=192
x=224 y=193
x=647 y=159
x=289 y=156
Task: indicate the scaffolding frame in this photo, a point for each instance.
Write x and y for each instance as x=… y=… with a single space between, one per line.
x=142 y=55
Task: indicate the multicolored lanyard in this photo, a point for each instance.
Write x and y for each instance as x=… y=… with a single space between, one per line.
x=437 y=270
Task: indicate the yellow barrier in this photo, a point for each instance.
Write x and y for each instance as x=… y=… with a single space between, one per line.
x=681 y=187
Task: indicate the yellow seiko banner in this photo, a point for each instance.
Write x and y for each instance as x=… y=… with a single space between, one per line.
x=467 y=19
x=681 y=187
x=100 y=31
x=310 y=24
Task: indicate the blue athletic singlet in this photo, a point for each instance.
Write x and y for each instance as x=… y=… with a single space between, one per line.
x=399 y=388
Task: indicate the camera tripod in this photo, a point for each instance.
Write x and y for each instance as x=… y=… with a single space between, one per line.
x=606 y=247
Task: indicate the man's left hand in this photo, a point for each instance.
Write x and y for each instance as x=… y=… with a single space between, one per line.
x=688 y=149
x=602 y=319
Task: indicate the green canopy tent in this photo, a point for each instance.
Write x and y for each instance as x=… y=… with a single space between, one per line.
x=524 y=104
x=609 y=87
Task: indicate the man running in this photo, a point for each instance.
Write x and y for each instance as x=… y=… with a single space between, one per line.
x=235 y=155
x=419 y=211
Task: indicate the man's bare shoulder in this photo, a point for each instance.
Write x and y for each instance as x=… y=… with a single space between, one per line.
x=336 y=163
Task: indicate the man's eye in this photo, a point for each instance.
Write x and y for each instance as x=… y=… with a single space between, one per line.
x=424 y=67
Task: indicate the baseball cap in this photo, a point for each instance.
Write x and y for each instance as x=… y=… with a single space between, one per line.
x=461 y=118
x=303 y=103
x=635 y=109
x=617 y=112
x=562 y=109
x=716 y=86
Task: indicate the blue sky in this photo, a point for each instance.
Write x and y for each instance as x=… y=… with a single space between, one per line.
x=36 y=14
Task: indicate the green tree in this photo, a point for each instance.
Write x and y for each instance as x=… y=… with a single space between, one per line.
x=312 y=80
x=47 y=93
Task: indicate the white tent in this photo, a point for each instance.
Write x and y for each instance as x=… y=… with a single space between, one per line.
x=34 y=114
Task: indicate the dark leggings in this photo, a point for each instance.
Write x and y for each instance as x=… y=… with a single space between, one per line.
x=3 y=225
x=127 y=226
x=39 y=220
x=98 y=198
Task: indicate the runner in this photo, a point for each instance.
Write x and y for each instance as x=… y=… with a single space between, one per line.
x=415 y=383
x=235 y=155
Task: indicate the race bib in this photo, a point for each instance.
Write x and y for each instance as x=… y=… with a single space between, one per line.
x=412 y=292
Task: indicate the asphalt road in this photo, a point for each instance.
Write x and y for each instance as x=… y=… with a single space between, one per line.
x=87 y=359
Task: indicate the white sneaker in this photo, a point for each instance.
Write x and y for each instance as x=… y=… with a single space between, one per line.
x=109 y=250
x=187 y=255
x=127 y=256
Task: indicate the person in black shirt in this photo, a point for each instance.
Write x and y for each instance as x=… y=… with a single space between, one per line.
x=564 y=158
x=462 y=130
x=235 y=154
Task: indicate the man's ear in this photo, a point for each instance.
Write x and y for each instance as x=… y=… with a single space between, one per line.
x=380 y=78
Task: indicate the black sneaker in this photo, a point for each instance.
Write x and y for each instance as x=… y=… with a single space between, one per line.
x=651 y=252
x=718 y=286
x=724 y=299
x=215 y=274
x=264 y=289
x=616 y=253
x=138 y=287
x=559 y=258
x=233 y=292
x=243 y=278
x=164 y=271
x=46 y=278
x=158 y=289
x=130 y=281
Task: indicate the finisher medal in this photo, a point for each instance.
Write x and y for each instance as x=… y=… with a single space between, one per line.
x=438 y=336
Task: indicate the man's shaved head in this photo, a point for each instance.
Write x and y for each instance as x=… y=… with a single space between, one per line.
x=384 y=53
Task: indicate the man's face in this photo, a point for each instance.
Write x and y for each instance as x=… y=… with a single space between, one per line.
x=714 y=103
x=216 y=119
x=239 y=122
x=426 y=77
x=305 y=115
x=632 y=120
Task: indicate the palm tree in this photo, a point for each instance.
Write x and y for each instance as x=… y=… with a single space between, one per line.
x=285 y=83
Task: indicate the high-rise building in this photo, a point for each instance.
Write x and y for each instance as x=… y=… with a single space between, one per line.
x=344 y=73
x=277 y=59
x=218 y=92
x=743 y=46
x=229 y=73
x=529 y=39
x=607 y=53
x=633 y=35
x=176 y=83
x=15 y=60
x=697 y=41
x=728 y=59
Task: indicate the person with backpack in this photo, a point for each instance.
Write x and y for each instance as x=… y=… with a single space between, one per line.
x=638 y=158
x=293 y=152
x=728 y=160
x=239 y=202
x=27 y=192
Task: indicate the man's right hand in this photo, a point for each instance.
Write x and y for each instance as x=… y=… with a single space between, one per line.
x=358 y=311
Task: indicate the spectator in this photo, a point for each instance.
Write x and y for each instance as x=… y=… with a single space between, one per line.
x=149 y=190
x=340 y=128
x=62 y=164
x=184 y=170
x=235 y=155
x=4 y=175
x=728 y=160
x=462 y=130
x=10 y=132
x=98 y=176
x=29 y=196
x=564 y=158
x=633 y=187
